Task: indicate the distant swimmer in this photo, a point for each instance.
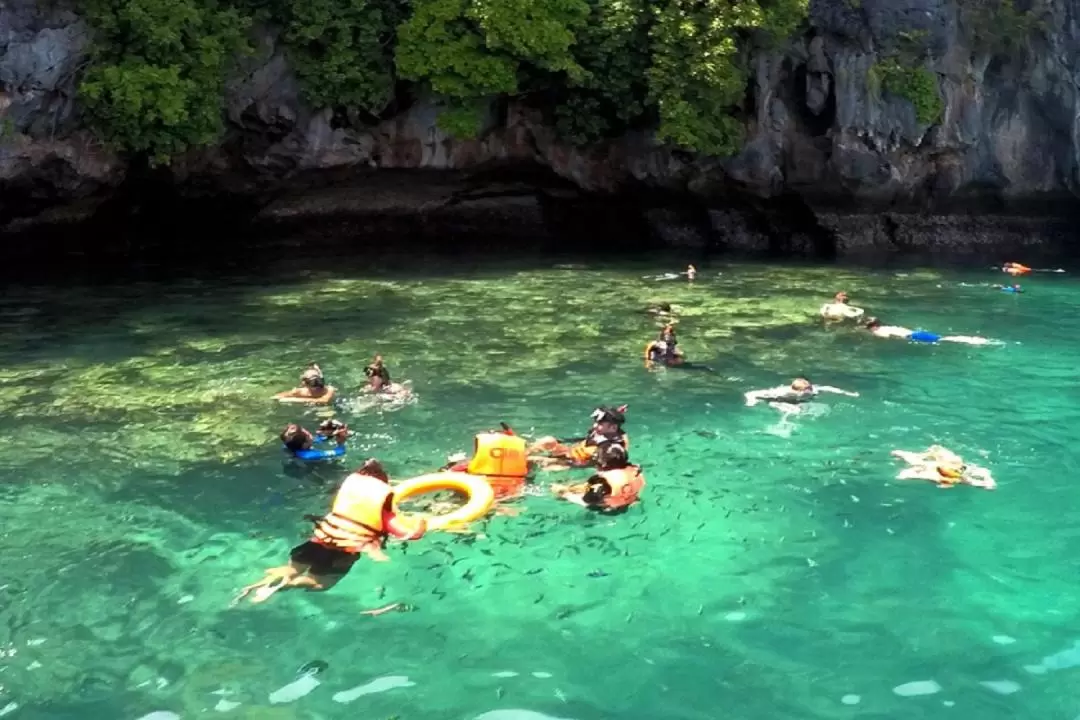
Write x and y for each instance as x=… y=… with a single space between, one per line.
x=664 y=349
x=379 y=383
x=943 y=468
x=663 y=310
x=359 y=523
x=787 y=398
x=839 y=309
x=313 y=388
x=691 y=273
x=1015 y=289
x=921 y=336
x=1015 y=269
x=616 y=486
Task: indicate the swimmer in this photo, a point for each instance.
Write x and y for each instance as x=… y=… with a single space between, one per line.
x=296 y=438
x=664 y=349
x=786 y=398
x=1015 y=289
x=839 y=309
x=616 y=486
x=359 y=523
x=1015 y=269
x=691 y=273
x=377 y=374
x=564 y=454
x=942 y=467
x=313 y=388
x=663 y=310
x=921 y=336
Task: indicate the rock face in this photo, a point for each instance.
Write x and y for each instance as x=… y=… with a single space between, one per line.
x=831 y=163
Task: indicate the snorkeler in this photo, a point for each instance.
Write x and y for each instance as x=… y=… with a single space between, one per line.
x=607 y=427
x=300 y=442
x=1015 y=289
x=313 y=388
x=839 y=309
x=921 y=336
x=1014 y=269
x=943 y=468
x=359 y=522
x=664 y=349
x=377 y=374
x=616 y=486
x=786 y=398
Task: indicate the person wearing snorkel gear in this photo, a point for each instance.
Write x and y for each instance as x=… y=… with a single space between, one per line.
x=1015 y=289
x=920 y=336
x=360 y=521
x=664 y=349
x=944 y=468
x=839 y=309
x=579 y=452
x=377 y=374
x=298 y=440
x=313 y=388
x=787 y=398
x=613 y=489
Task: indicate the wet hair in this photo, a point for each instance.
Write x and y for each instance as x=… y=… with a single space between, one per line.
x=293 y=437
x=611 y=456
x=606 y=414
x=374 y=468
x=800 y=380
x=315 y=381
x=664 y=307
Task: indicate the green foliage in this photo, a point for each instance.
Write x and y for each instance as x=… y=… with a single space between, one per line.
x=156 y=83
x=914 y=83
x=342 y=51
x=997 y=26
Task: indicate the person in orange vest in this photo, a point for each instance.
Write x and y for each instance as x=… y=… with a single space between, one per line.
x=578 y=452
x=614 y=488
x=359 y=523
x=1014 y=269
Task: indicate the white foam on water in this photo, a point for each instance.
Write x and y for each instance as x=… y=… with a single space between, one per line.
x=850 y=699
x=517 y=714
x=377 y=685
x=948 y=703
x=1001 y=687
x=34 y=665
x=9 y=708
x=161 y=715
x=185 y=600
x=1035 y=669
x=294 y=690
x=1003 y=640
x=35 y=642
x=917 y=688
x=224 y=705
x=735 y=616
x=504 y=674
x=541 y=675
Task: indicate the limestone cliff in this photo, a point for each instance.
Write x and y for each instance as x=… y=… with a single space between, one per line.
x=829 y=153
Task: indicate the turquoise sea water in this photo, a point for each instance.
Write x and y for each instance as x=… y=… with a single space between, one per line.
x=773 y=570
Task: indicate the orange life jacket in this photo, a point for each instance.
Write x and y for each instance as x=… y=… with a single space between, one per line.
x=355 y=520
x=626 y=485
x=502 y=460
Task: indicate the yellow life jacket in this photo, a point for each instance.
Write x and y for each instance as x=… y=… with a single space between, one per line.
x=498 y=455
x=356 y=519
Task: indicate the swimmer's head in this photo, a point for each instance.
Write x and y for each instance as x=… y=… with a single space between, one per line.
x=294 y=437
x=951 y=473
x=373 y=468
x=801 y=384
x=611 y=456
x=841 y=297
x=872 y=323
x=613 y=417
x=664 y=307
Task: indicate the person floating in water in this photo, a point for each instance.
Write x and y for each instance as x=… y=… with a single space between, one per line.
x=313 y=388
x=1015 y=269
x=664 y=350
x=663 y=310
x=616 y=486
x=942 y=467
x=1015 y=289
x=839 y=309
x=691 y=273
x=921 y=336
x=578 y=452
x=787 y=398
x=300 y=442
x=360 y=521
x=380 y=385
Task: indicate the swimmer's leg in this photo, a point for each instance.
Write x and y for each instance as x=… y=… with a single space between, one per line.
x=275 y=579
x=969 y=340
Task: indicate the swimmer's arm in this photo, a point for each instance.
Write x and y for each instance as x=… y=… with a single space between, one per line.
x=293 y=395
x=401 y=531
x=837 y=391
x=755 y=396
x=854 y=312
x=325 y=398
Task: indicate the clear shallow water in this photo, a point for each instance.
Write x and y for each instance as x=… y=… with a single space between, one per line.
x=772 y=571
